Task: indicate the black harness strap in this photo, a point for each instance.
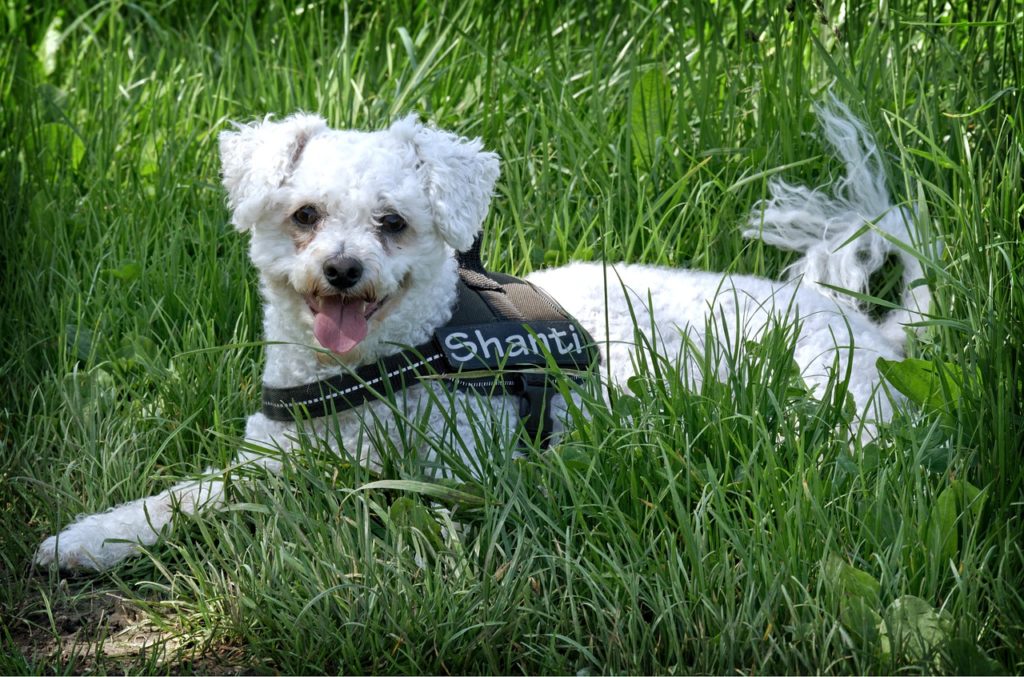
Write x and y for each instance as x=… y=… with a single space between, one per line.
x=350 y=390
x=493 y=312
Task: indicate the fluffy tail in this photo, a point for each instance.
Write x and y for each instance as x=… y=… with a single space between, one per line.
x=825 y=227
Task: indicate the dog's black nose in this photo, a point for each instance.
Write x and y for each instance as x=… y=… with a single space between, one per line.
x=343 y=272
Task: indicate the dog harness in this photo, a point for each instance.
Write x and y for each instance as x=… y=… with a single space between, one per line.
x=503 y=336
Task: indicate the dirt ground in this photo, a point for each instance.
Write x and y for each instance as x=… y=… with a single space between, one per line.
x=79 y=628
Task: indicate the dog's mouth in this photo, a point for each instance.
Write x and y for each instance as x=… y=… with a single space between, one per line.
x=340 y=322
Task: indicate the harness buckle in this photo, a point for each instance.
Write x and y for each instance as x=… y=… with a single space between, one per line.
x=535 y=391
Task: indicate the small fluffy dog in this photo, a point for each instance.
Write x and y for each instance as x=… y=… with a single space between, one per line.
x=355 y=236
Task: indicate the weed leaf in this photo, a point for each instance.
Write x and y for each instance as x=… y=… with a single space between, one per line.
x=942 y=534
x=933 y=386
x=916 y=629
x=650 y=113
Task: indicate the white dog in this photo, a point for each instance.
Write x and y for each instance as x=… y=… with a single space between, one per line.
x=355 y=236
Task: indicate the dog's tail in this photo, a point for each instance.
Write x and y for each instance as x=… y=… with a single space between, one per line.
x=847 y=236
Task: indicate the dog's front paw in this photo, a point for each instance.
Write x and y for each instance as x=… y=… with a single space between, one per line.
x=82 y=547
x=98 y=542
x=46 y=554
x=69 y=556
x=69 y=551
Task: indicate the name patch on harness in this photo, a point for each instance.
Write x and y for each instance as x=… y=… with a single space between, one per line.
x=499 y=344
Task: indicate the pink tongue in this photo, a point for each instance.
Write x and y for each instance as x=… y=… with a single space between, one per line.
x=340 y=326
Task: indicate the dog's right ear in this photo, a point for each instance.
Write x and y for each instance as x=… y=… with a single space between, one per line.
x=258 y=157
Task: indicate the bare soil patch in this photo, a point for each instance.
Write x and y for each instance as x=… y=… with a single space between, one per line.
x=80 y=628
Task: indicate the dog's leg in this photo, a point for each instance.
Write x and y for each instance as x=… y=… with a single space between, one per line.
x=97 y=542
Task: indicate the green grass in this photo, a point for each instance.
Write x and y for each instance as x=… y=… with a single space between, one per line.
x=721 y=530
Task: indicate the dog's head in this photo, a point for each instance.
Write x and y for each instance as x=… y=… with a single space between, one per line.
x=351 y=221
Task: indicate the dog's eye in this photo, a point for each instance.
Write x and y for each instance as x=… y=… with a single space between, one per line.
x=392 y=224
x=306 y=216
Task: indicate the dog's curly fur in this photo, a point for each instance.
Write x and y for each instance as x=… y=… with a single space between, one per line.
x=354 y=185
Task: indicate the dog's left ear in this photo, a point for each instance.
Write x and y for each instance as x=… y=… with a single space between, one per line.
x=459 y=175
